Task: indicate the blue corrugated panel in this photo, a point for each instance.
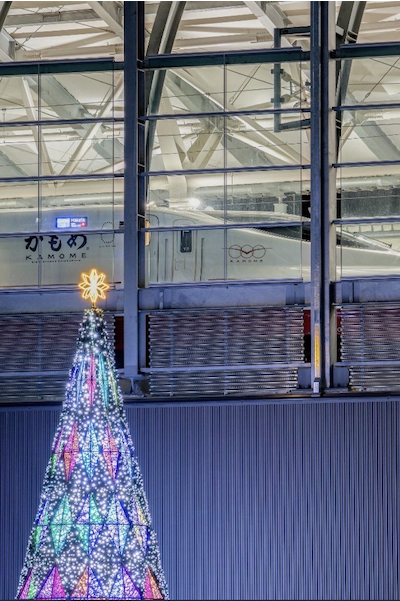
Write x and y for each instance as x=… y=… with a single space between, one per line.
x=252 y=502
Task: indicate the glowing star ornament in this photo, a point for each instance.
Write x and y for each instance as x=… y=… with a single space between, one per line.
x=94 y=286
x=92 y=537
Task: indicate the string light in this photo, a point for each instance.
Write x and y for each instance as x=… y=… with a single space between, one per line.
x=92 y=537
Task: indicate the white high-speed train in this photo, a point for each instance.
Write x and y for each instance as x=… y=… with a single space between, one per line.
x=250 y=253
x=188 y=254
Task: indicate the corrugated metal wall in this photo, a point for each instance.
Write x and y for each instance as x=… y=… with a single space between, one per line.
x=249 y=502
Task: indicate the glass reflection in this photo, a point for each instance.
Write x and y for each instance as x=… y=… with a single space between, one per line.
x=76 y=95
x=369 y=196
x=18 y=265
x=197 y=90
x=368 y=249
x=91 y=200
x=266 y=196
x=19 y=155
x=371 y=80
x=79 y=148
x=251 y=86
x=19 y=98
x=370 y=135
x=19 y=207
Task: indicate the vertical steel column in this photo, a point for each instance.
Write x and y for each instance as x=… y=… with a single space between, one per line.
x=133 y=52
x=316 y=200
x=323 y=239
x=328 y=187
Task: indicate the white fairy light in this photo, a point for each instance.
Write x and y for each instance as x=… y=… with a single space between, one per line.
x=93 y=513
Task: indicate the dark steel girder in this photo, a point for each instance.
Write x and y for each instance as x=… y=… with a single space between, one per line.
x=4 y=10
x=161 y=41
x=347 y=28
x=349 y=22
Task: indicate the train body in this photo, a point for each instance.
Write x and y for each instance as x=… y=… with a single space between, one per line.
x=198 y=254
x=199 y=249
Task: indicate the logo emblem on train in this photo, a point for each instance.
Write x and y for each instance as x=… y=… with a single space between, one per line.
x=247 y=253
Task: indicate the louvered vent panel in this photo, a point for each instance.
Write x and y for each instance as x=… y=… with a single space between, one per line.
x=31 y=389
x=186 y=340
x=370 y=337
x=38 y=344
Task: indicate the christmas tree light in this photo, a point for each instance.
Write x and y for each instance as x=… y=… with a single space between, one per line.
x=92 y=537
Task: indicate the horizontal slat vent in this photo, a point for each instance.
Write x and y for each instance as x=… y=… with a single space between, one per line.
x=236 y=340
x=370 y=337
x=375 y=379
x=222 y=382
x=33 y=388
x=38 y=344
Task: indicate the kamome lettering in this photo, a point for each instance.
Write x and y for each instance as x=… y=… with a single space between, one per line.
x=32 y=243
x=52 y=258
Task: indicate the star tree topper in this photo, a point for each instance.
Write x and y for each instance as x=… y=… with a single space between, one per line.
x=94 y=286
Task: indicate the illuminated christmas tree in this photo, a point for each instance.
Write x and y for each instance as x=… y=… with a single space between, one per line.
x=92 y=537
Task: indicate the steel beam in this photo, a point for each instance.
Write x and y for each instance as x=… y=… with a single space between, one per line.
x=349 y=22
x=195 y=99
x=164 y=42
x=69 y=52
x=48 y=18
x=201 y=5
x=4 y=10
x=377 y=141
x=271 y=17
x=112 y=14
x=323 y=242
x=316 y=213
x=328 y=191
x=269 y=55
x=7 y=43
x=366 y=50
x=161 y=41
x=134 y=51
x=87 y=140
x=67 y=107
x=31 y=111
x=347 y=28
x=7 y=167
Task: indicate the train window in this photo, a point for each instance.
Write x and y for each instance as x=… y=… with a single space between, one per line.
x=186 y=241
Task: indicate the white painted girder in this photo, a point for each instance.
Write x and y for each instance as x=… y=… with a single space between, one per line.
x=33 y=116
x=270 y=16
x=112 y=14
